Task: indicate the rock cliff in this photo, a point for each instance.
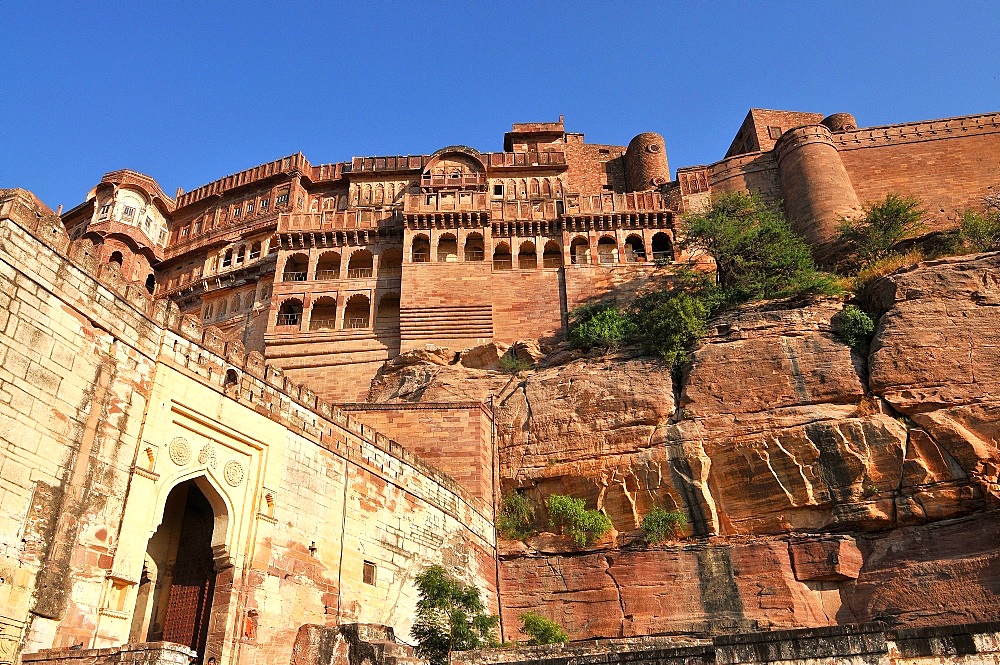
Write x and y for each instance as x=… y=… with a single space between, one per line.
x=821 y=486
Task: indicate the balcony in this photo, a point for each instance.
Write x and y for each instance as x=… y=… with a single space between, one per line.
x=322 y=324
x=452 y=181
x=289 y=319
x=359 y=273
x=355 y=324
x=294 y=276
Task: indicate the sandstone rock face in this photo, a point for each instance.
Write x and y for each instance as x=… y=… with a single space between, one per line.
x=821 y=486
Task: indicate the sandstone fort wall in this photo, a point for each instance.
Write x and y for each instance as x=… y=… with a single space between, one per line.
x=112 y=400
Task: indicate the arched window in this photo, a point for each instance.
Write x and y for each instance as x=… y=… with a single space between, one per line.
x=447 y=248
x=510 y=189
x=579 y=250
x=328 y=266
x=607 y=250
x=255 y=251
x=296 y=268
x=635 y=249
x=390 y=262
x=552 y=255
x=240 y=252
x=207 y=315
x=357 y=311
x=387 y=312
x=546 y=188
x=502 y=257
x=379 y=195
x=527 y=259
x=324 y=314
x=663 y=248
x=534 y=187
x=150 y=283
x=474 y=247
x=360 y=265
x=227 y=258
x=290 y=313
x=222 y=308
x=116 y=257
x=421 y=249
x=236 y=303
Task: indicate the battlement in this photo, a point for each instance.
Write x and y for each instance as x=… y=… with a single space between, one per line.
x=296 y=162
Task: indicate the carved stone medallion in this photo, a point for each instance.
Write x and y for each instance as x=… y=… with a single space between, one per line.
x=233 y=472
x=179 y=450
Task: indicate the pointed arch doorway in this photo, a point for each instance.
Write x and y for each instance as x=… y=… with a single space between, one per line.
x=180 y=571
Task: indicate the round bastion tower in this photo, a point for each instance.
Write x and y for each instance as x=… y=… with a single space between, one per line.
x=646 y=162
x=814 y=183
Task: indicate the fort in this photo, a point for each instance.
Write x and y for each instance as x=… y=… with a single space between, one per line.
x=196 y=463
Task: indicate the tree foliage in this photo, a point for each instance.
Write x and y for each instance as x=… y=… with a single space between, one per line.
x=542 y=630
x=661 y=524
x=980 y=231
x=757 y=254
x=886 y=223
x=517 y=516
x=450 y=617
x=574 y=520
x=600 y=325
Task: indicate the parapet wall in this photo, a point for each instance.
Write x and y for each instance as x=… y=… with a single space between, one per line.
x=109 y=400
x=862 y=644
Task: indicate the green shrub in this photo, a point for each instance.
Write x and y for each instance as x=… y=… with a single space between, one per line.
x=511 y=364
x=542 y=630
x=884 y=225
x=450 y=617
x=668 y=323
x=662 y=524
x=574 y=520
x=980 y=232
x=857 y=328
x=517 y=517
x=757 y=254
x=600 y=326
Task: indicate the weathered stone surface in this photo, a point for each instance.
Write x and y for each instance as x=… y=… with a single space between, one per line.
x=825 y=559
x=934 y=358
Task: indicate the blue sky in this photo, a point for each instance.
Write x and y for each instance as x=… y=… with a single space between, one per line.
x=190 y=92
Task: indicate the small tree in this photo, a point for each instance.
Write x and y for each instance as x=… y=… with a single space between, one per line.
x=450 y=617
x=670 y=322
x=542 y=630
x=980 y=231
x=757 y=254
x=884 y=225
x=662 y=524
x=572 y=517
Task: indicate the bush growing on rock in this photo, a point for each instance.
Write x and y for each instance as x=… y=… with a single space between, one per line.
x=662 y=524
x=875 y=235
x=517 y=517
x=574 y=520
x=856 y=328
x=450 y=617
x=980 y=231
x=601 y=325
x=542 y=630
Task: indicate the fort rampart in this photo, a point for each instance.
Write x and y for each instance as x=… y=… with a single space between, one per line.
x=114 y=402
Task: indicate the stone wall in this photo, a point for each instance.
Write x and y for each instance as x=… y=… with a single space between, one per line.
x=111 y=400
x=863 y=644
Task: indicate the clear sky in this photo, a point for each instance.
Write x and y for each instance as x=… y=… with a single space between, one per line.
x=190 y=92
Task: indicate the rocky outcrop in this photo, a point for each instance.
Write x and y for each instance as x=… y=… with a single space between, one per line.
x=818 y=483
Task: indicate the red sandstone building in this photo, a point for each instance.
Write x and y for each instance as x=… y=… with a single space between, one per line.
x=345 y=265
